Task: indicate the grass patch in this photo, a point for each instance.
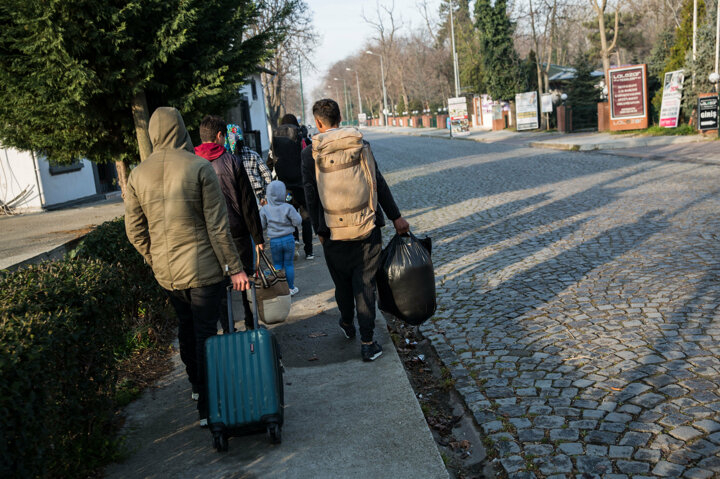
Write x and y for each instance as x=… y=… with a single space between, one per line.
x=657 y=130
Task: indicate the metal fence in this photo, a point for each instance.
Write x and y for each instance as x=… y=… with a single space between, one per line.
x=584 y=117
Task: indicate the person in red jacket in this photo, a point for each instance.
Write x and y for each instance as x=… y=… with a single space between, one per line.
x=239 y=197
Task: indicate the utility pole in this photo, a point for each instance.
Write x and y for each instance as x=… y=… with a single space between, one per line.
x=455 y=61
x=347 y=112
x=382 y=78
x=302 y=97
x=694 y=51
x=357 y=79
x=717 y=39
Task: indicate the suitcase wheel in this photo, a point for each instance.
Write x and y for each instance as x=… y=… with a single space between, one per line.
x=274 y=433
x=220 y=442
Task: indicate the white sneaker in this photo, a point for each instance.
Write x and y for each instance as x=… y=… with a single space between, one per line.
x=195 y=396
x=294 y=291
x=203 y=423
x=310 y=256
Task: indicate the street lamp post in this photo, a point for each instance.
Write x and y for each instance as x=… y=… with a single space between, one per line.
x=357 y=79
x=302 y=98
x=382 y=77
x=455 y=61
x=347 y=112
x=717 y=40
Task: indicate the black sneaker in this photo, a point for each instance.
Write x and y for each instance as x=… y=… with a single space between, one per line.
x=348 y=330
x=370 y=352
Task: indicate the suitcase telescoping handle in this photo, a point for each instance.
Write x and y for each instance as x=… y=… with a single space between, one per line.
x=256 y=314
x=231 y=320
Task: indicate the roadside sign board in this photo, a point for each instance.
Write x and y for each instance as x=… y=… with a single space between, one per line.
x=526 y=110
x=708 y=113
x=362 y=119
x=628 y=97
x=546 y=103
x=671 y=99
x=458 y=113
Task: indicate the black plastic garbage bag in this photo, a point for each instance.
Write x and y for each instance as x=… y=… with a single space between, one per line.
x=406 y=279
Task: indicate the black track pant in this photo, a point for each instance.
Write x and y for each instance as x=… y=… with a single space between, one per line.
x=352 y=266
x=197 y=310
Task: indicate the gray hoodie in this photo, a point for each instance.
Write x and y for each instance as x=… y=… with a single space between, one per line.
x=278 y=217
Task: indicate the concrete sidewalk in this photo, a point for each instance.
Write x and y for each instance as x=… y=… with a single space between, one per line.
x=608 y=141
x=583 y=141
x=343 y=418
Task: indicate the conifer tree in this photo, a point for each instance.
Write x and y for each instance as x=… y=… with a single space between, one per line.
x=78 y=76
x=500 y=63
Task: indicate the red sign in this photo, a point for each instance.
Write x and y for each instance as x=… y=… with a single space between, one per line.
x=628 y=97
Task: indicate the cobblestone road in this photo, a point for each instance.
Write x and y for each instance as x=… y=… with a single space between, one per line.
x=578 y=302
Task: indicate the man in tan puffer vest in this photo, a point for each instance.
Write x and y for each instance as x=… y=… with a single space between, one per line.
x=175 y=216
x=343 y=189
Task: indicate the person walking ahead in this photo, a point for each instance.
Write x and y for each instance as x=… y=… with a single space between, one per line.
x=175 y=216
x=343 y=187
x=281 y=219
x=287 y=143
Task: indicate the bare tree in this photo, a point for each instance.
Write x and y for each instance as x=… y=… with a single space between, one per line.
x=605 y=49
x=387 y=26
x=281 y=89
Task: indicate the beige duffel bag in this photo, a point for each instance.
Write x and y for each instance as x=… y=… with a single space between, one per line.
x=271 y=290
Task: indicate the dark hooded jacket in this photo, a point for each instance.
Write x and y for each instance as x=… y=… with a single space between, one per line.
x=175 y=215
x=235 y=184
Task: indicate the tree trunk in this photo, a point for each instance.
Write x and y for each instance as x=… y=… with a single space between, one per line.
x=122 y=174
x=603 y=44
x=141 y=117
x=605 y=49
x=538 y=57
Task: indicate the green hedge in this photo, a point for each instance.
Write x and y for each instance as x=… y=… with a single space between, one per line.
x=63 y=327
x=145 y=299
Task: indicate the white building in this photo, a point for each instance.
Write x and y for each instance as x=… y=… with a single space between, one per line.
x=251 y=115
x=28 y=182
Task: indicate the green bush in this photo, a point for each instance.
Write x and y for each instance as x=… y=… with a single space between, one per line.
x=146 y=304
x=60 y=325
x=64 y=326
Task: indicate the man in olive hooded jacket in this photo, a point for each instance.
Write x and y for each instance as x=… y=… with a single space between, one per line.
x=175 y=216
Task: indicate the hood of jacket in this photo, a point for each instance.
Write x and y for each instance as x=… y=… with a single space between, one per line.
x=167 y=130
x=276 y=193
x=210 y=151
x=337 y=140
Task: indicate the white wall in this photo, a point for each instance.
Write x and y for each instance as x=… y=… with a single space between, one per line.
x=258 y=117
x=17 y=173
x=66 y=186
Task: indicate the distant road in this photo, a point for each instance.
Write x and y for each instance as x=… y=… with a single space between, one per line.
x=25 y=236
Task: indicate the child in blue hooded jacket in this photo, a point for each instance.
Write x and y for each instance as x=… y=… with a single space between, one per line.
x=280 y=219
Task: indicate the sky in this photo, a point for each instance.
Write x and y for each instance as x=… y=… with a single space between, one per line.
x=343 y=31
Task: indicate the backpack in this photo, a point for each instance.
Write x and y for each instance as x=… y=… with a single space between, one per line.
x=346 y=182
x=286 y=148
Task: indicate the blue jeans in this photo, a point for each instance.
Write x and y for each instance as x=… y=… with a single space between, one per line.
x=283 y=256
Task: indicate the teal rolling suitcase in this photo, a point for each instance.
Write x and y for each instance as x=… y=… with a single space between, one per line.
x=245 y=385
